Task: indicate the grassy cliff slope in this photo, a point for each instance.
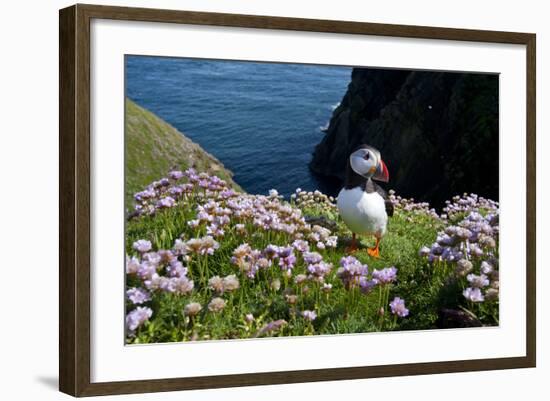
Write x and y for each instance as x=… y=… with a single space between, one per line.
x=153 y=147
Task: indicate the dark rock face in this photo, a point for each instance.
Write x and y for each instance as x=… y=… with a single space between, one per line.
x=437 y=131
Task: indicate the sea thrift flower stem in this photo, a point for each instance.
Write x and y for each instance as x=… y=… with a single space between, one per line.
x=206 y=271
x=318 y=296
x=241 y=292
x=201 y=274
x=379 y=298
x=357 y=297
x=188 y=331
x=348 y=302
x=231 y=303
x=382 y=308
x=387 y=296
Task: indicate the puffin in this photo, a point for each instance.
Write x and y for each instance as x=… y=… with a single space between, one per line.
x=363 y=205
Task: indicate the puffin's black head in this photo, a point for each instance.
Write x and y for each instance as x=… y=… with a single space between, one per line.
x=365 y=162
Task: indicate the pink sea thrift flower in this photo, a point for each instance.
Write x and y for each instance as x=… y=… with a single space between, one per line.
x=142 y=245
x=309 y=315
x=137 y=318
x=397 y=307
x=138 y=296
x=473 y=294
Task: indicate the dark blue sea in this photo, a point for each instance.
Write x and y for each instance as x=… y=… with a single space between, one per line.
x=261 y=120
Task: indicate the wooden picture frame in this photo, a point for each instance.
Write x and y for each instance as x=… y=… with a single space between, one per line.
x=74 y=199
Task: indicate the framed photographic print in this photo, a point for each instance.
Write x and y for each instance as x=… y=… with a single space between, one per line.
x=280 y=200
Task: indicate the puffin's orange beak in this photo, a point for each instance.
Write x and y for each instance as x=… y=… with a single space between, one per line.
x=382 y=173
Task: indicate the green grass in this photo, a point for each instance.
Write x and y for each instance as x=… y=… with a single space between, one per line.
x=153 y=147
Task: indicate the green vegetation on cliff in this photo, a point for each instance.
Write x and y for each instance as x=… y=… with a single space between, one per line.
x=153 y=147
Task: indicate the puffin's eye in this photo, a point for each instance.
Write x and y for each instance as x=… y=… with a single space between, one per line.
x=367 y=155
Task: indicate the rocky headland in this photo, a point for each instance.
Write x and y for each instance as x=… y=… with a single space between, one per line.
x=437 y=131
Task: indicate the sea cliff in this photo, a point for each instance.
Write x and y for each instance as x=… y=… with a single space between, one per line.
x=437 y=132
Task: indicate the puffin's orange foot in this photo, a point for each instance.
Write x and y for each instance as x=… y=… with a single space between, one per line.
x=374 y=252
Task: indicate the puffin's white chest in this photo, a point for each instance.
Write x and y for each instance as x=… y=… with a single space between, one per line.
x=363 y=213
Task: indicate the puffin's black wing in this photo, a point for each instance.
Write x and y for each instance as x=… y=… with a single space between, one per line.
x=372 y=186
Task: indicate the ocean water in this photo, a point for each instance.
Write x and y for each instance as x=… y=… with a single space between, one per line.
x=261 y=120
